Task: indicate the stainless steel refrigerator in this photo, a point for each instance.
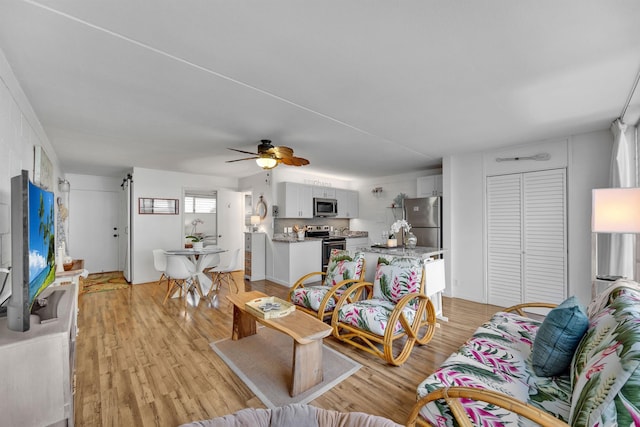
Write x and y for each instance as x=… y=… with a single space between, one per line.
x=425 y=216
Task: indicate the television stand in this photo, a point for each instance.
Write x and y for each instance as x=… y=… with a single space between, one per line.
x=36 y=382
x=47 y=308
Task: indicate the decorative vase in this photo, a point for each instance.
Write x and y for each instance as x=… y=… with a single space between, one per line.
x=392 y=243
x=412 y=240
x=198 y=246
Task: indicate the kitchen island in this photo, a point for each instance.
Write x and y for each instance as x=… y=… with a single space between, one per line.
x=433 y=264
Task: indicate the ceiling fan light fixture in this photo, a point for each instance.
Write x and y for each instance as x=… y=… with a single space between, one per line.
x=266 y=162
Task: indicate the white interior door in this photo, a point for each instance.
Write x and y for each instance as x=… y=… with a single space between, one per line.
x=230 y=210
x=527 y=237
x=504 y=239
x=94 y=229
x=545 y=236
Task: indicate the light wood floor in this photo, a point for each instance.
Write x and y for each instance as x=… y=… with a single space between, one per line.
x=140 y=363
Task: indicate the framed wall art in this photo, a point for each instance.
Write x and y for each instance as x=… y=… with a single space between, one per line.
x=156 y=206
x=42 y=169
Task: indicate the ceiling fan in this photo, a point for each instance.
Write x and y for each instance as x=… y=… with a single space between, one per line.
x=268 y=156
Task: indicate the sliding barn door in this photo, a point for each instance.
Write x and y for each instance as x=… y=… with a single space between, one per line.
x=526 y=237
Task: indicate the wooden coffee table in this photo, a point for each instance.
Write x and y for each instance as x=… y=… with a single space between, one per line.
x=307 y=333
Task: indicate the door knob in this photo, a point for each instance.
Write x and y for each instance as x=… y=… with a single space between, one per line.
x=115 y=235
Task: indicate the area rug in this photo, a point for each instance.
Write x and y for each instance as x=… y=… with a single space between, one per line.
x=263 y=362
x=103 y=282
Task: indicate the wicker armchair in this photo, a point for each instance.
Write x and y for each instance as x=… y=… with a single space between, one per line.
x=395 y=299
x=319 y=301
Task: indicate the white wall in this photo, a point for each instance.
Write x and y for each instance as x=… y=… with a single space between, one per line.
x=590 y=156
x=165 y=231
x=587 y=159
x=463 y=212
x=20 y=132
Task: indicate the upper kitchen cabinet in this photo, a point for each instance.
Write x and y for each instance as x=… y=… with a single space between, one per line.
x=429 y=186
x=347 y=203
x=295 y=200
x=324 y=192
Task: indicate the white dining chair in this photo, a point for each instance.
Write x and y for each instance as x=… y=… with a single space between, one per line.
x=181 y=275
x=210 y=261
x=160 y=264
x=224 y=274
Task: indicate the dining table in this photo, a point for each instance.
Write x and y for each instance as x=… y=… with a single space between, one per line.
x=201 y=258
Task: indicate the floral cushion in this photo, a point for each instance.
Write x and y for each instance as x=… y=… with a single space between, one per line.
x=606 y=366
x=397 y=278
x=498 y=358
x=342 y=266
x=311 y=297
x=372 y=315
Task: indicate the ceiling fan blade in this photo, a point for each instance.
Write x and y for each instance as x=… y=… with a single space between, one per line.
x=294 y=161
x=282 y=152
x=242 y=151
x=239 y=160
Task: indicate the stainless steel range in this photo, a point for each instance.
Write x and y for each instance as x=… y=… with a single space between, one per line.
x=329 y=242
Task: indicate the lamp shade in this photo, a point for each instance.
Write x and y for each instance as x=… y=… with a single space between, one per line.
x=255 y=219
x=615 y=210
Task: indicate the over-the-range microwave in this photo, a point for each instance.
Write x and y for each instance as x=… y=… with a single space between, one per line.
x=325 y=207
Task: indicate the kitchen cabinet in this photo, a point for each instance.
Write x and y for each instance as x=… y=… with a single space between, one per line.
x=324 y=192
x=295 y=200
x=254 y=256
x=292 y=260
x=429 y=186
x=348 y=206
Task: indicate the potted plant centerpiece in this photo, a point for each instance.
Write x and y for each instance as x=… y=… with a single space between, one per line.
x=197 y=242
x=197 y=239
x=400 y=226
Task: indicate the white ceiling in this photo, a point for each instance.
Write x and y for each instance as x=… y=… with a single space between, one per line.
x=360 y=88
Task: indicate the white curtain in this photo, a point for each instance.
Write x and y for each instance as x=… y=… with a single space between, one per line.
x=622 y=175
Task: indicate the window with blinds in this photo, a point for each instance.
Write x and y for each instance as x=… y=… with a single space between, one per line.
x=200 y=204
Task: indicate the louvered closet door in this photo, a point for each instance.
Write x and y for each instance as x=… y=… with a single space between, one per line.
x=504 y=239
x=526 y=237
x=545 y=251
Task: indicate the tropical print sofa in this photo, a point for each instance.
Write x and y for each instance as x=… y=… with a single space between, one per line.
x=600 y=386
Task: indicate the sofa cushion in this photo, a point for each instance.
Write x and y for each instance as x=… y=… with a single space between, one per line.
x=558 y=337
x=606 y=365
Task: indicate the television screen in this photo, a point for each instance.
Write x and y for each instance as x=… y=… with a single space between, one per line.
x=42 y=251
x=32 y=248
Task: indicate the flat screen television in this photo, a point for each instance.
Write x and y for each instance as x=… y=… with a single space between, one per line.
x=32 y=248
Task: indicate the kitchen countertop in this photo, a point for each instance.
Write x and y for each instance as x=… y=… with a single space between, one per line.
x=418 y=251
x=283 y=239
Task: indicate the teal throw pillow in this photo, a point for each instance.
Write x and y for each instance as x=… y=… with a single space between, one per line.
x=558 y=337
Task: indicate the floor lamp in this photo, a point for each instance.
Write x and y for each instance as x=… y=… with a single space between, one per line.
x=613 y=211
